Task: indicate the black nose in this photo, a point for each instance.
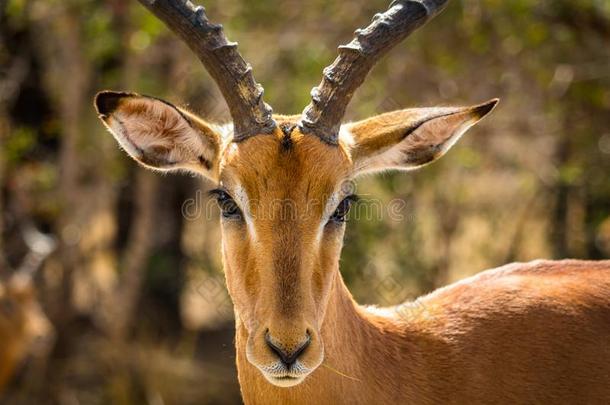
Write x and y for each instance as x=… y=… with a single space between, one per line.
x=288 y=358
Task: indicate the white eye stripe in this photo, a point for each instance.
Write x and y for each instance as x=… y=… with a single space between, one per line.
x=346 y=136
x=242 y=200
x=329 y=209
x=241 y=197
x=331 y=205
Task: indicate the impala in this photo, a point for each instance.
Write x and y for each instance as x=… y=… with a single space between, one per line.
x=525 y=333
x=24 y=328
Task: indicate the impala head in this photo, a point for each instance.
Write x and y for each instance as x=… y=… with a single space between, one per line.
x=279 y=179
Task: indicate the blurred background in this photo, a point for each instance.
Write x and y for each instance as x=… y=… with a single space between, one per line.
x=130 y=303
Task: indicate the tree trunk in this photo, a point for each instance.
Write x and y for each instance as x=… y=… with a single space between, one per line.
x=137 y=252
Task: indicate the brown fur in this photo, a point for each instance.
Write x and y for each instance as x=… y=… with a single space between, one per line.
x=525 y=333
x=410 y=138
x=168 y=137
x=23 y=325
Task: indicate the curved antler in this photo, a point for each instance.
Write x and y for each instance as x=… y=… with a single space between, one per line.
x=322 y=117
x=220 y=57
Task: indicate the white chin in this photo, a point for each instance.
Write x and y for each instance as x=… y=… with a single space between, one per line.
x=285 y=382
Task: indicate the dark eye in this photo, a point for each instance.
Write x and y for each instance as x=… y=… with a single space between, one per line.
x=228 y=206
x=342 y=210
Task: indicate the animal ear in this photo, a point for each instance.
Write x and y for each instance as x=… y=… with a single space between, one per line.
x=159 y=135
x=408 y=139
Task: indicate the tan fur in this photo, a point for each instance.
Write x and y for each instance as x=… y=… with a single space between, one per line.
x=285 y=289
x=23 y=325
x=526 y=333
x=533 y=333
x=168 y=138
x=408 y=139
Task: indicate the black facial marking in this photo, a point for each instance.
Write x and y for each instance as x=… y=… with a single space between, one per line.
x=287 y=129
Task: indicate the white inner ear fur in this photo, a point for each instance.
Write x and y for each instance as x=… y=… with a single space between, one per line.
x=118 y=131
x=437 y=135
x=151 y=129
x=436 y=126
x=241 y=197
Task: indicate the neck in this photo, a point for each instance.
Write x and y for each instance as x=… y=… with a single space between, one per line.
x=355 y=352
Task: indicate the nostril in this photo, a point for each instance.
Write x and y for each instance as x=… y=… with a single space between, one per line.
x=274 y=348
x=302 y=348
x=288 y=358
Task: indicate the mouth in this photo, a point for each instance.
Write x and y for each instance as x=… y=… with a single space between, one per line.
x=284 y=380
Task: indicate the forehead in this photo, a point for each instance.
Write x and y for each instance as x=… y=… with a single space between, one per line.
x=284 y=164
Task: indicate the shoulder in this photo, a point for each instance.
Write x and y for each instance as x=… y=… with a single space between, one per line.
x=535 y=269
x=511 y=287
x=524 y=284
